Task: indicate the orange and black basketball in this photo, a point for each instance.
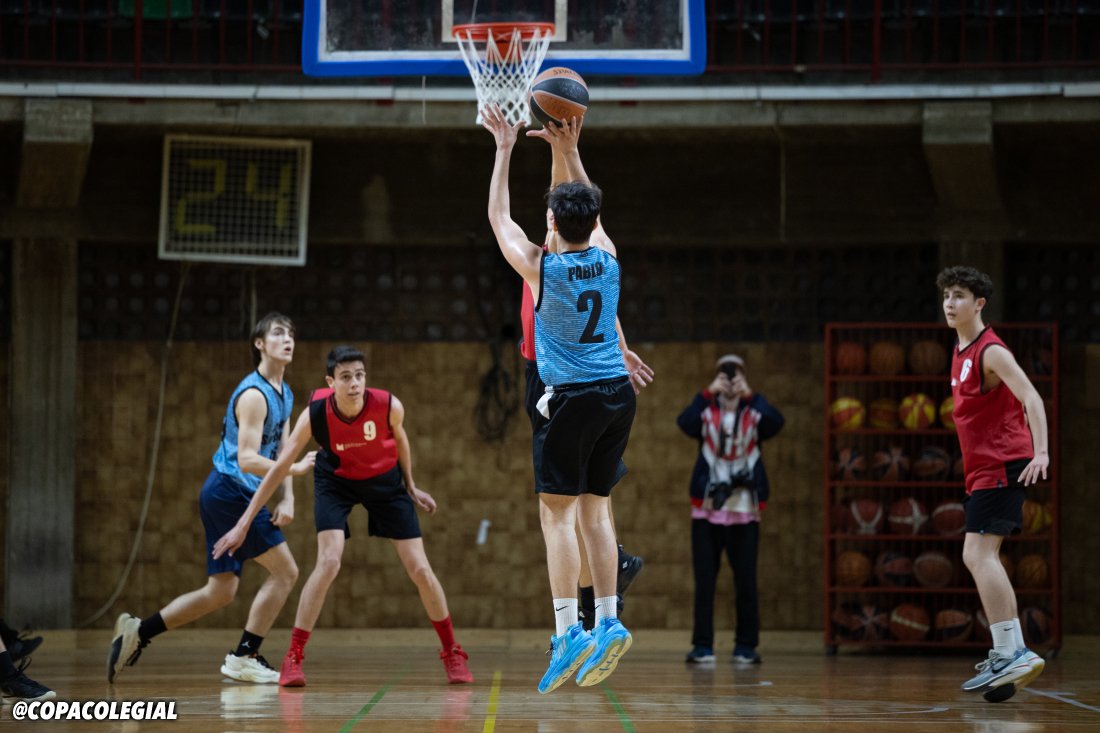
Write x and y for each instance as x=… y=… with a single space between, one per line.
x=867 y=516
x=851 y=358
x=890 y=465
x=887 y=358
x=849 y=465
x=860 y=621
x=949 y=518
x=933 y=569
x=909 y=622
x=1036 y=625
x=907 y=516
x=927 y=357
x=893 y=569
x=1031 y=572
x=933 y=464
x=952 y=624
x=557 y=95
x=853 y=569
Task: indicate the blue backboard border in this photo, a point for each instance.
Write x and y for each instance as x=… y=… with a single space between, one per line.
x=406 y=63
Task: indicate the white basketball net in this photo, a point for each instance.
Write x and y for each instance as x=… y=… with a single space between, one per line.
x=503 y=74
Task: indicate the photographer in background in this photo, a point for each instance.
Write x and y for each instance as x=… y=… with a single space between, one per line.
x=729 y=490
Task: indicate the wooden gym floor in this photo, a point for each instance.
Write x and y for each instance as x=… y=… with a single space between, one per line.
x=392 y=680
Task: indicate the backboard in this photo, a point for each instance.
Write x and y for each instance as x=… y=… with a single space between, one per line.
x=414 y=38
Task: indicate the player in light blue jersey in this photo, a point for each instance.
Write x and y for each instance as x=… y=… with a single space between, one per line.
x=255 y=425
x=589 y=403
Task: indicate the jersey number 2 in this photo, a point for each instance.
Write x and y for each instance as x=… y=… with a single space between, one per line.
x=590 y=296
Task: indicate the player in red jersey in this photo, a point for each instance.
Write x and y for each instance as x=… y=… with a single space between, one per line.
x=1002 y=429
x=364 y=459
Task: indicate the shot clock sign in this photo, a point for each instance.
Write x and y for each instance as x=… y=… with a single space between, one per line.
x=233 y=199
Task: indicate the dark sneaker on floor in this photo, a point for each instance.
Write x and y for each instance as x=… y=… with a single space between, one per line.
x=21 y=687
x=700 y=655
x=744 y=655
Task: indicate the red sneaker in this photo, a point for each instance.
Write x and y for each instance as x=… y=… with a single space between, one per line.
x=454 y=661
x=291 y=674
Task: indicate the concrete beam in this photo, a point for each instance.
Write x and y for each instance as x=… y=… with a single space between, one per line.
x=57 y=138
x=958 y=145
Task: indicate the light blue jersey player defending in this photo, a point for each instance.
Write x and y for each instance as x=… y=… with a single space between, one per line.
x=255 y=425
x=589 y=404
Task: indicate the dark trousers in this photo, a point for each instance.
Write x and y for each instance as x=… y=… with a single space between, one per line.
x=741 y=543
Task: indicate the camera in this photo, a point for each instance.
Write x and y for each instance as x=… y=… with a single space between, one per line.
x=720 y=491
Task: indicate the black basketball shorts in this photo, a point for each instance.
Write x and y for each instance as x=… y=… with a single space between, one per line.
x=998 y=511
x=391 y=512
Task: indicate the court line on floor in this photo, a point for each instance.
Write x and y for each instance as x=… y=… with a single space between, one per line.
x=1061 y=697
x=365 y=710
x=491 y=710
x=624 y=719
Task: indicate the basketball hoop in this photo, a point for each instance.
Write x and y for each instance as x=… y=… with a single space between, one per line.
x=503 y=72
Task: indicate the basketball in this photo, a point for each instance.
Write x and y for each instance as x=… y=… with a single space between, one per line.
x=933 y=464
x=927 y=357
x=851 y=358
x=952 y=625
x=1036 y=624
x=557 y=95
x=853 y=569
x=890 y=465
x=887 y=358
x=917 y=411
x=947 y=413
x=907 y=516
x=1031 y=572
x=949 y=518
x=849 y=465
x=883 y=414
x=1037 y=517
x=847 y=413
x=860 y=622
x=959 y=471
x=893 y=568
x=867 y=517
x=909 y=622
x=933 y=569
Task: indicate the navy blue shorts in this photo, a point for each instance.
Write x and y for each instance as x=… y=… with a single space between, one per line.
x=998 y=511
x=580 y=448
x=391 y=512
x=222 y=502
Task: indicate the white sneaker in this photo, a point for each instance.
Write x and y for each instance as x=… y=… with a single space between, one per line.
x=253 y=668
x=126 y=645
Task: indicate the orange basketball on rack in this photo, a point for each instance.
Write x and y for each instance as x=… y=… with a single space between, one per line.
x=883 y=414
x=847 y=413
x=851 y=358
x=952 y=624
x=907 y=516
x=849 y=465
x=1031 y=572
x=853 y=569
x=860 y=622
x=1033 y=517
x=917 y=411
x=933 y=569
x=893 y=568
x=909 y=622
x=887 y=358
x=927 y=357
x=890 y=465
x=867 y=516
x=557 y=95
x=1036 y=624
x=947 y=413
x=933 y=464
x=949 y=518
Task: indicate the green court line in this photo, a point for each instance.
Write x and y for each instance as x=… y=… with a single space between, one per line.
x=491 y=711
x=367 y=708
x=624 y=719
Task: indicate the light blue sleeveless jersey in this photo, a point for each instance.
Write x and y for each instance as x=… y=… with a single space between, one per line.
x=575 y=337
x=278 y=412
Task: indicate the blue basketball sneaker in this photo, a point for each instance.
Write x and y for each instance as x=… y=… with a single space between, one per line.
x=567 y=652
x=998 y=670
x=612 y=641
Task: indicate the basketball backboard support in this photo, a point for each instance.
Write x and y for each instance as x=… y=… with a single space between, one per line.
x=414 y=38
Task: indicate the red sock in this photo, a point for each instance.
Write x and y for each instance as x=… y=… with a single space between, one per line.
x=298 y=638
x=446 y=633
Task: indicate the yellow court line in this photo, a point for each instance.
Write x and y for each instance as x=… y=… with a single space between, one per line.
x=491 y=711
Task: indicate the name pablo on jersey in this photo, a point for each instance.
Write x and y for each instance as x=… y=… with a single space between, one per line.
x=585 y=272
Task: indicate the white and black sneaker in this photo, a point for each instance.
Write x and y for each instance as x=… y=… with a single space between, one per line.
x=253 y=668
x=126 y=646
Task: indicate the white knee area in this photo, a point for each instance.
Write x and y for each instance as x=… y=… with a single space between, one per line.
x=422 y=575
x=329 y=566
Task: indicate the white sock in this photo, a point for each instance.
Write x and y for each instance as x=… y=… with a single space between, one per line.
x=565 y=614
x=607 y=607
x=1004 y=636
x=1018 y=635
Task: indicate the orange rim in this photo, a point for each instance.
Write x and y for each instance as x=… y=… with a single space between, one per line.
x=501 y=31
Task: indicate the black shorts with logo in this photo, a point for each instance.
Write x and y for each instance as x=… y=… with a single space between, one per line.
x=579 y=449
x=391 y=512
x=998 y=511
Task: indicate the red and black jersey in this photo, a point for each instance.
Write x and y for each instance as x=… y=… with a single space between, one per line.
x=355 y=448
x=991 y=424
